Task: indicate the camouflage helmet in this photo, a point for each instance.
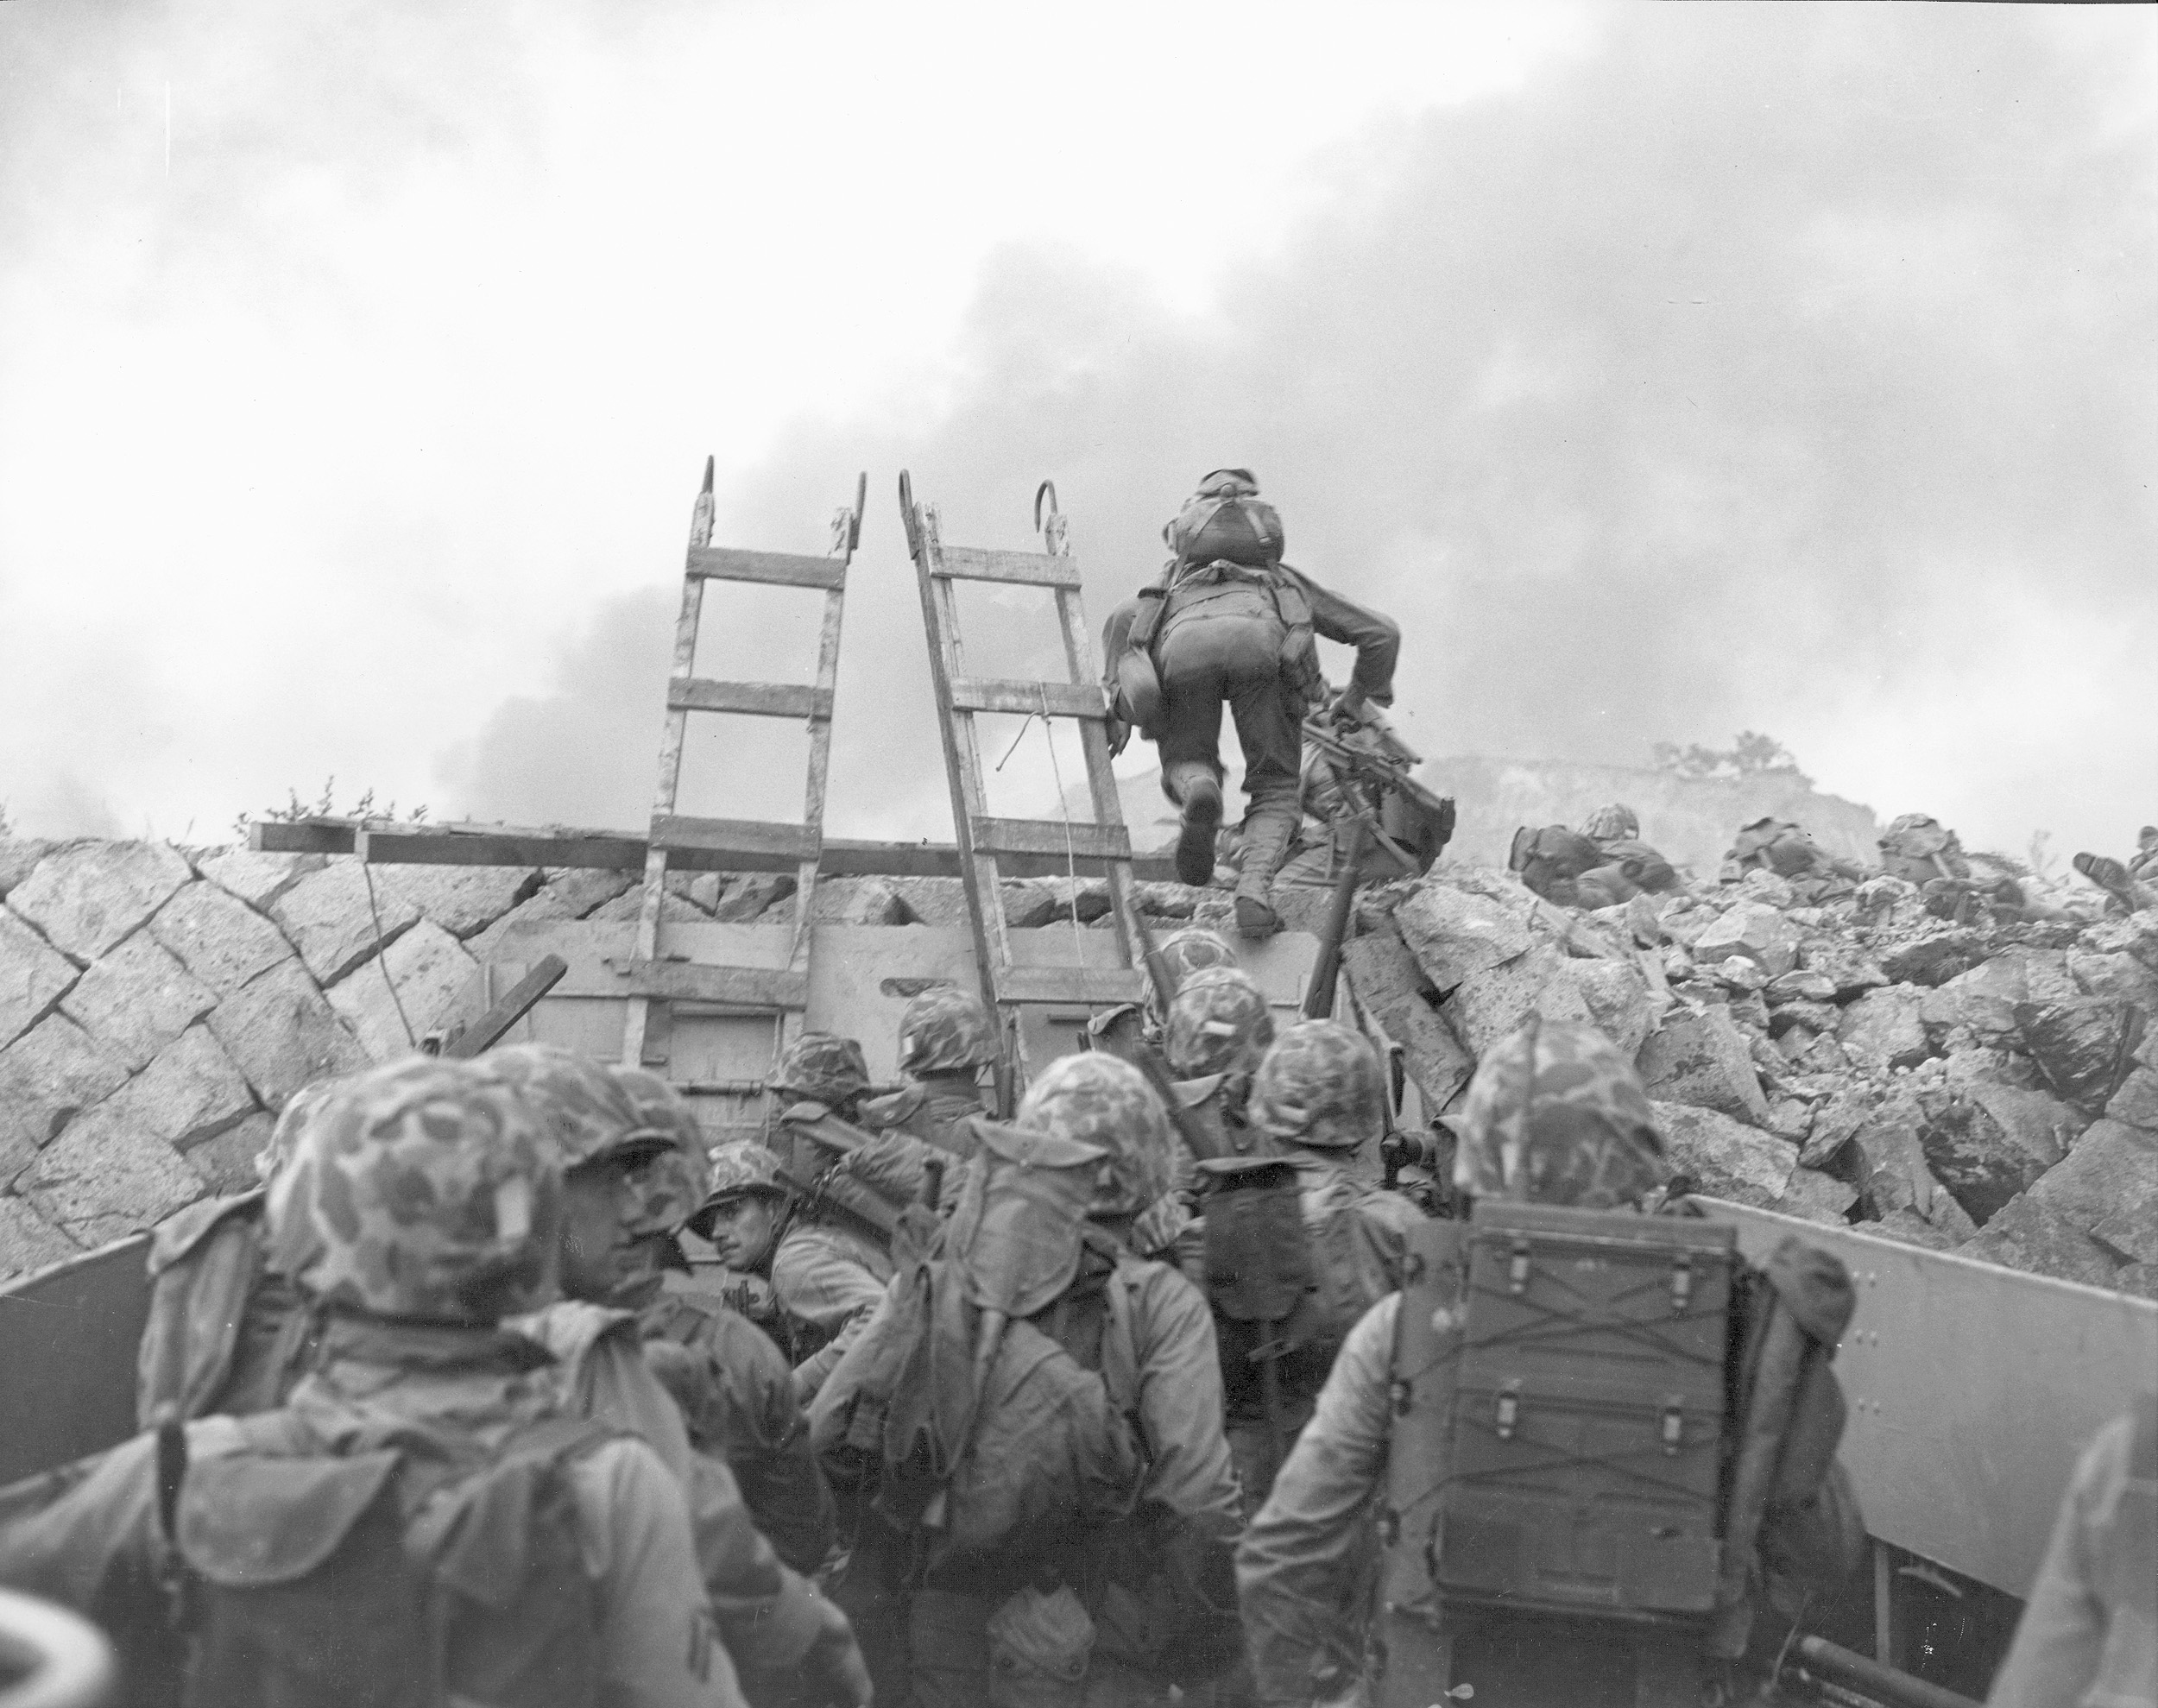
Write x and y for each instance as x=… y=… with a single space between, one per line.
x=945 y=1031
x=1193 y=949
x=1319 y=1085
x=278 y=1150
x=1614 y=823
x=586 y=1111
x=820 y=1066
x=668 y=1189
x=1103 y=1100
x=428 y=1189
x=1218 y=1023
x=1556 y=1115
x=743 y=1165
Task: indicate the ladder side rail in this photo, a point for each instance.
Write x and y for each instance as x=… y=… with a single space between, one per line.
x=992 y=947
x=813 y=790
x=1093 y=744
x=637 y=1020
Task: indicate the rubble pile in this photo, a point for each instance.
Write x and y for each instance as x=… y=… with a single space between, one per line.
x=1984 y=1082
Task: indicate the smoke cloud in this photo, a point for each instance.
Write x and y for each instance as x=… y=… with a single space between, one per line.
x=1769 y=370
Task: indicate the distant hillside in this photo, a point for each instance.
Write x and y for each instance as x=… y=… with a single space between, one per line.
x=1690 y=819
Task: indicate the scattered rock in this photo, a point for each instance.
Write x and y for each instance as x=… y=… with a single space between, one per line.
x=335 y=920
x=2082 y=1045
x=1801 y=987
x=1834 y=1123
x=1165 y=901
x=29 y=1242
x=1791 y=1117
x=137 y=1000
x=34 y=975
x=428 y=969
x=1882 y=1029
x=1495 y=1000
x=1933 y=956
x=2030 y=1234
x=1454 y=935
x=1726 y=1159
x=1754 y=932
x=1891 y=1171
x=1393 y=990
x=2136 y=1101
x=933 y=901
x=1816 y=1016
x=219 y=939
x=258 y=880
x=1969 y=1154
x=2036 y=1122
x=1850 y=970
x=47 y=1076
x=570 y=893
x=2112 y=1171
x=1908 y=1227
x=1823 y=1056
x=85 y=897
x=2120 y=976
x=859 y=901
x=1981 y=1001
x=1699 y=1058
x=1818 y=1197
x=281 y=1034
x=1618 y=998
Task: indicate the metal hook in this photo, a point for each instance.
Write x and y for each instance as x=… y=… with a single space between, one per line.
x=1053 y=529
x=846 y=523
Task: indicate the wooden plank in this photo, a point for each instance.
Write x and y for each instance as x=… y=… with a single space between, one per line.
x=774 y=569
x=1021 y=569
x=614 y=850
x=734 y=835
x=749 y=699
x=1052 y=836
x=1057 y=699
x=1101 y=987
x=737 y=986
x=484 y=1033
x=1972 y=1390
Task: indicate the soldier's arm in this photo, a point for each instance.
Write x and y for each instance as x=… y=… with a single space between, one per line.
x=822 y=1287
x=1180 y=1405
x=1298 y=1554
x=1376 y=639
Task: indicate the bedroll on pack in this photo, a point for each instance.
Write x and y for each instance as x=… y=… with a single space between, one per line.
x=1550 y=859
x=1582 y=1434
x=377 y=1579
x=1226 y=520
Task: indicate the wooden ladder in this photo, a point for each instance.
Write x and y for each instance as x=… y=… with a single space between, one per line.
x=1103 y=846
x=739 y=844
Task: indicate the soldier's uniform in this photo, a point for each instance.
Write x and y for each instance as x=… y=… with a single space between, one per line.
x=226 y=1333
x=735 y=1391
x=1231 y=622
x=423 y=1203
x=1320 y=1096
x=945 y=1040
x=1554 y=1115
x=1772 y=844
x=1218 y=1031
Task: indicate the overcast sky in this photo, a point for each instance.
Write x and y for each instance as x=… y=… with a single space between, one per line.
x=1666 y=370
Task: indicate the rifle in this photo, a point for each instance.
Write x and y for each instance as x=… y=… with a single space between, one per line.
x=1373 y=765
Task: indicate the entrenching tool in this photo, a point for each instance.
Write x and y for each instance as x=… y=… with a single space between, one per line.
x=1103 y=844
x=654 y=980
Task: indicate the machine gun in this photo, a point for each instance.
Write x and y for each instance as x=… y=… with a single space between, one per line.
x=1371 y=764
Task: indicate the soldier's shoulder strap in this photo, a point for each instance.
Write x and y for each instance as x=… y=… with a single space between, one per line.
x=182 y=1232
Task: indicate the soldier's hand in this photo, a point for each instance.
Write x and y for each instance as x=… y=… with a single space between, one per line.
x=833 y=1664
x=1347 y=707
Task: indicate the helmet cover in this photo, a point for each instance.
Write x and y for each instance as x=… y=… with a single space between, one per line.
x=667 y=1189
x=1099 y=1099
x=825 y=1068
x=1219 y=1024
x=945 y=1031
x=1556 y=1115
x=1319 y=1085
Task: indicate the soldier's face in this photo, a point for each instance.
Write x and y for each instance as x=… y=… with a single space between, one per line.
x=598 y=1255
x=742 y=1230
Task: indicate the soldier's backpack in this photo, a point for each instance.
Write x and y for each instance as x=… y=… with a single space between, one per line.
x=1226 y=520
x=1584 y=1435
x=316 y=1580
x=1917 y=848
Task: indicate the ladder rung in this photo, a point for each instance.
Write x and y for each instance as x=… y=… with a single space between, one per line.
x=780 y=568
x=733 y=836
x=1060 y=699
x=743 y=987
x=1027 y=569
x=1052 y=836
x=753 y=699
x=1102 y=986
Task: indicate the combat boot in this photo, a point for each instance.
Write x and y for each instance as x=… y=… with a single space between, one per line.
x=1266 y=833
x=1199 y=796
